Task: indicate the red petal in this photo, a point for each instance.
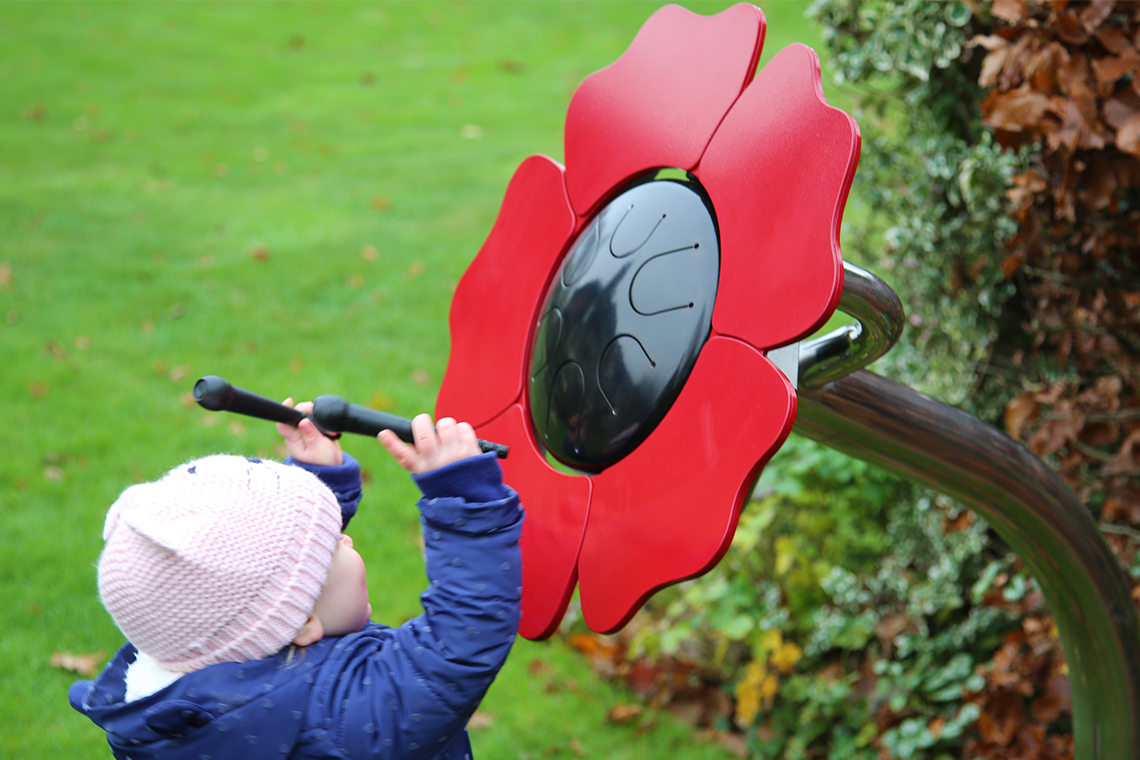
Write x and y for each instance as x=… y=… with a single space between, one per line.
x=494 y=306
x=668 y=510
x=556 y=508
x=659 y=104
x=778 y=171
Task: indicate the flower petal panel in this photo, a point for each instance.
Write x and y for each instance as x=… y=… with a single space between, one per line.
x=776 y=162
x=556 y=508
x=660 y=102
x=668 y=511
x=495 y=302
x=778 y=171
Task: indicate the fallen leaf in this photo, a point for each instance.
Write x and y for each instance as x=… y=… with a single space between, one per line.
x=382 y=402
x=36 y=112
x=1019 y=412
x=83 y=664
x=1128 y=135
x=1012 y=11
x=259 y=253
x=479 y=720
x=624 y=713
x=5 y=276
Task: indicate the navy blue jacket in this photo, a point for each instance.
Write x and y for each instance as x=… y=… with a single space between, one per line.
x=384 y=692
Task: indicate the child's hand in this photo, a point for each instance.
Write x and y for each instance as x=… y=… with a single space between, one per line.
x=435 y=447
x=306 y=443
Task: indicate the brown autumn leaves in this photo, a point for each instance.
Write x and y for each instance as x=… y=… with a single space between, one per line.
x=1063 y=74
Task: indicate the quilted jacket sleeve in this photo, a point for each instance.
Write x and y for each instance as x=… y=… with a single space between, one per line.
x=408 y=692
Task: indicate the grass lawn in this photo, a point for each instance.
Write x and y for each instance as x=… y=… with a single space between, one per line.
x=284 y=194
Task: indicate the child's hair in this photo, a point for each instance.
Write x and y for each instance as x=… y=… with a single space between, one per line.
x=221 y=560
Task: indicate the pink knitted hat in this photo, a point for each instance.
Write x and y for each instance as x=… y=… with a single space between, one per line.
x=221 y=560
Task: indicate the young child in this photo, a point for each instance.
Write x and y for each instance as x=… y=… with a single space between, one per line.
x=246 y=608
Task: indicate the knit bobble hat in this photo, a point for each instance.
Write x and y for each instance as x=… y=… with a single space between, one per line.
x=221 y=560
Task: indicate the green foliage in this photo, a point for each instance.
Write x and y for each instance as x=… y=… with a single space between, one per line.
x=852 y=576
x=930 y=187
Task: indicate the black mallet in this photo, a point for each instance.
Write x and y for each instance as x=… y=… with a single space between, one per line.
x=331 y=414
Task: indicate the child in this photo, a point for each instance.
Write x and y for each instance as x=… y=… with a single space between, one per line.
x=247 y=612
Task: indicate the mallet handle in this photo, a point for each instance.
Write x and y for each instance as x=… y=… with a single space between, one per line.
x=334 y=413
x=217 y=395
x=331 y=414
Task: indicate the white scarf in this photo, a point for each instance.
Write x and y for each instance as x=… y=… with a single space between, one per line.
x=145 y=677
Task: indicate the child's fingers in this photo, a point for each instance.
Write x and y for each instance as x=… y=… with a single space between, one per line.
x=467 y=439
x=448 y=436
x=309 y=433
x=404 y=455
x=423 y=433
x=288 y=432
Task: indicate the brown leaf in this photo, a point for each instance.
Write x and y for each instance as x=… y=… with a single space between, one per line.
x=1098 y=185
x=624 y=713
x=1121 y=107
x=1090 y=130
x=480 y=719
x=995 y=59
x=1070 y=29
x=1128 y=135
x=1114 y=40
x=1127 y=458
x=83 y=664
x=1019 y=412
x=959 y=523
x=1095 y=14
x=1065 y=425
x=1002 y=718
x=5 y=276
x=259 y=253
x=1055 y=700
x=1016 y=110
x=1012 y=11
x=1010 y=265
x=1111 y=69
x=1041 y=68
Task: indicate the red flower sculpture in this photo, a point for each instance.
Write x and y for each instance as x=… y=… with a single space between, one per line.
x=619 y=316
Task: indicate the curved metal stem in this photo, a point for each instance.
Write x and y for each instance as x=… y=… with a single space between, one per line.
x=880 y=322
x=929 y=442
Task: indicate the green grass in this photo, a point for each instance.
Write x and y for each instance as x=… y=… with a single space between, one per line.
x=284 y=194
